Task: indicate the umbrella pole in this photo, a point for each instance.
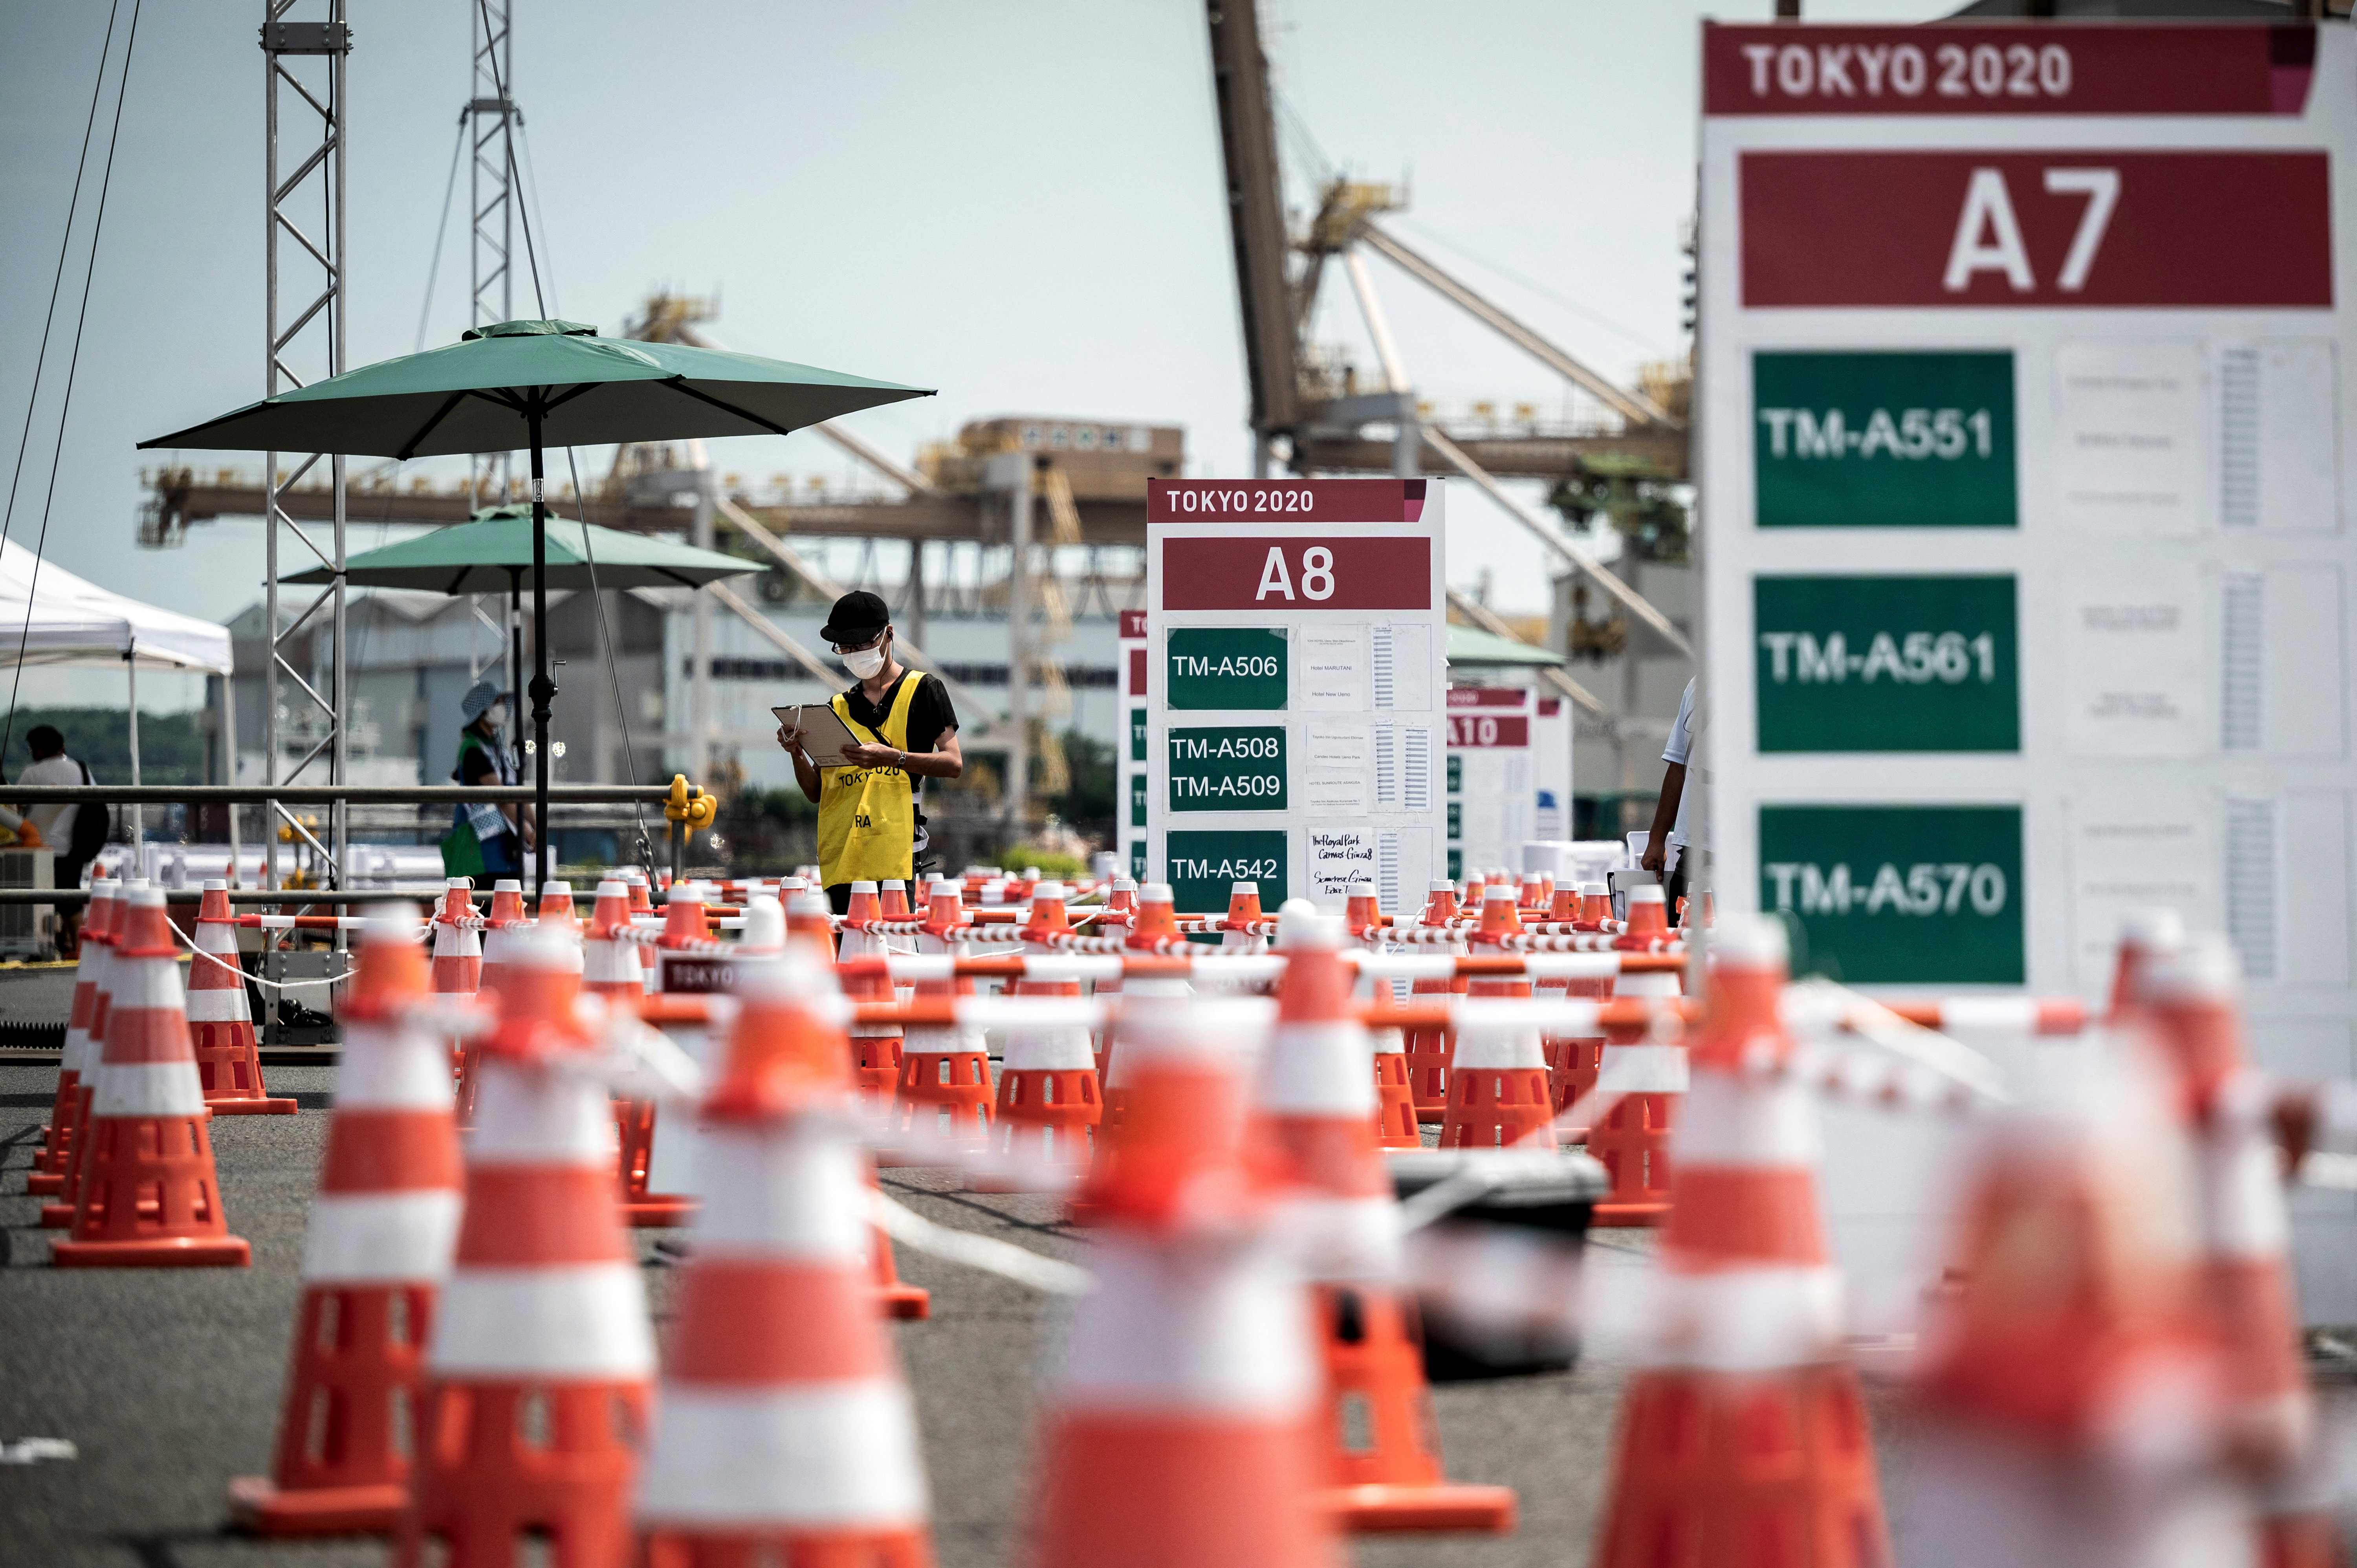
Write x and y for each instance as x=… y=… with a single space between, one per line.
x=515 y=658
x=138 y=816
x=544 y=689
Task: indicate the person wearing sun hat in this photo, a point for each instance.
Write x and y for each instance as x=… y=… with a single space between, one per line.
x=871 y=824
x=484 y=840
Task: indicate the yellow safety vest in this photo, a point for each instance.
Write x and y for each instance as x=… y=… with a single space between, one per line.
x=868 y=816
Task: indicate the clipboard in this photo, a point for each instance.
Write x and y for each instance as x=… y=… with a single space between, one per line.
x=828 y=734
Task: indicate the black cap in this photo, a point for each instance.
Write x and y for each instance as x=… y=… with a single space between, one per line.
x=856 y=617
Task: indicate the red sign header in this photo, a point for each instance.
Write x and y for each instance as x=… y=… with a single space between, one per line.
x=2046 y=68
x=1284 y=500
x=1133 y=623
x=1482 y=731
x=1516 y=697
x=1287 y=573
x=2070 y=227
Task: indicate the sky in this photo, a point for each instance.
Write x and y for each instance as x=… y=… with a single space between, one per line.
x=1020 y=205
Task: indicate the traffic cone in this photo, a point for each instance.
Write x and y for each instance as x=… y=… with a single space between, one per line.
x=808 y=919
x=538 y=1369
x=1634 y=1138
x=1237 y=932
x=556 y=912
x=1177 y=1430
x=2148 y=937
x=2246 y=1283
x=458 y=946
x=505 y=914
x=1649 y=918
x=610 y=967
x=1498 y=1094
x=1314 y=1120
x=684 y=933
x=1362 y=914
x=148 y=1196
x=784 y=1432
x=895 y=894
x=1049 y=1101
x=876 y=1048
x=641 y=901
x=1596 y=904
x=377 y=1249
x=1573 y=1061
x=1744 y=1440
x=85 y=1033
x=111 y=910
x=229 y=1059
x=2069 y=1399
x=1429 y=1050
x=944 y=1087
x=1536 y=893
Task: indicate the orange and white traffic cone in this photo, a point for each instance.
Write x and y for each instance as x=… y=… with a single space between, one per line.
x=1649 y=919
x=1430 y=1050
x=457 y=965
x=538 y=1365
x=876 y=1048
x=2071 y=1398
x=148 y=1196
x=1595 y=903
x=1314 y=1121
x=1573 y=1061
x=784 y=1432
x=895 y=896
x=1634 y=1138
x=85 y=1033
x=1179 y=1428
x=109 y=912
x=500 y=925
x=611 y=968
x=1239 y=929
x=1745 y=1439
x=556 y=912
x=2148 y=937
x=2246 y=1283
x=229 y=1057
x=1049 y=1097
x=944 y=1087
x=1498 y=1075
x=377 y=1249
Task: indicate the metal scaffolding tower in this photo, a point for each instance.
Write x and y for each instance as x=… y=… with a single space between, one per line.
x=490 y=118
x=302 y=69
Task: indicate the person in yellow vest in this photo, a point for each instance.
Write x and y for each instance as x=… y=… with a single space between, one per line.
x=871 y=823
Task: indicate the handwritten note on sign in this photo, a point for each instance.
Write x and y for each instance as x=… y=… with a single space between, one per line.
x=1282 y=572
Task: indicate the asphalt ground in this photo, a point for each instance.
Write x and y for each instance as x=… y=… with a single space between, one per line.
x=168 y=1382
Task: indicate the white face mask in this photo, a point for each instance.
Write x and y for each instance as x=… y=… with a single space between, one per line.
x=497 y=715
x=868 y=663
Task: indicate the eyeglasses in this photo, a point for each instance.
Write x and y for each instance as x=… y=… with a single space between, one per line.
x=859 y=646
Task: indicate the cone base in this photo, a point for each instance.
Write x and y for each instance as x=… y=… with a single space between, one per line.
x=57 y=1215
x=158 y=1252
x=1444 y=1508
x=258 y=1506
x=795 y=1547
x=904 y=1301
x=1626 y=1215
x=658 y=1209
x=257 y=1106
x=45 y=1183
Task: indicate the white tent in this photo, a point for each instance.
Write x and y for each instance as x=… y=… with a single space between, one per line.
x=74 y=621
x=60 y=619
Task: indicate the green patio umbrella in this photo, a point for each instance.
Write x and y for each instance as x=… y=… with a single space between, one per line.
x=493 y=551
x=530 y=385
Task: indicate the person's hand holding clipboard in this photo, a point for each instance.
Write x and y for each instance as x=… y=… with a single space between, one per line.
x=817 y=731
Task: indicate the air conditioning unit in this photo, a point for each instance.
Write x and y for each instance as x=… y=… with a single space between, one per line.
x=28 y=930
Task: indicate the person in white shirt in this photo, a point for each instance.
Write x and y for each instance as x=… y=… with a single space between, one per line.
x=51 y=764
x=1665 y=844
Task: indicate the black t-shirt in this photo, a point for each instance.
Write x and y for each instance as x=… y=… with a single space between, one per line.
x=931 y=716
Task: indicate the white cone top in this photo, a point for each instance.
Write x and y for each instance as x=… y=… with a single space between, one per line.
x=1595 y=890
x=1245 y=890
x=1361 y=889
x=1439 y=884
x=1647 y=893
x=765 y=924
x=2204 y=969
x=1743 y=942
x=1124 y=884
x=1299 y=925
x=862 y=886
x=807 y=903
x=686 y=893
x=1502 y=892
x=614 y=887
x=1154 y=893
x=1047 y=893
x=1188 y=1331
x=508 y=885
x=944 y=885
x=1030 y=873
x=464 y=884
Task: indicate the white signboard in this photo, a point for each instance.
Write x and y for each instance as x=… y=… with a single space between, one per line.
x=1131 y=748
x=2026 y=456
x=1492 y=794
x=1294 y=671
x=1551 y=747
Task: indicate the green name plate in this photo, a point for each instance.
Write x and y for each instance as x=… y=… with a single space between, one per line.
x=1228 y=769
x=1138 y=735
x=1883 y=440
x=1225 y=668
x=1137 y=800
x=1886 y=664
x=1897 y=895
x=1204 y=866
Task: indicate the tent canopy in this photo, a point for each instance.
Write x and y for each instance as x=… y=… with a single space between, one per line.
x=1470 y=648
x=73 y=621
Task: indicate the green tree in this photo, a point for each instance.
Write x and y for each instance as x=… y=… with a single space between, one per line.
x=171 y=746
